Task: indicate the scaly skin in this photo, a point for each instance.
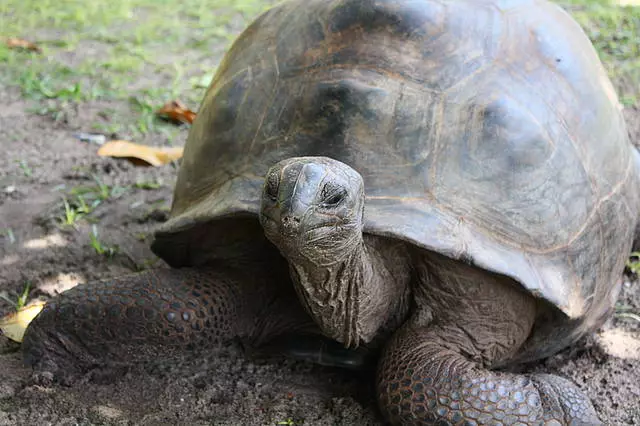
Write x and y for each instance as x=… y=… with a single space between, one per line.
x=139 y=316
x=422 y=382
x=438 y=371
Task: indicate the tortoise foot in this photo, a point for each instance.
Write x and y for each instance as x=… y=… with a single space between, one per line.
x=563 y=402
x=51 y=359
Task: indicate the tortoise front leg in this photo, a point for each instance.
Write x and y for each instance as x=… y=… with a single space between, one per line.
x=423 y=381
x=436 y=369
x=153 y=314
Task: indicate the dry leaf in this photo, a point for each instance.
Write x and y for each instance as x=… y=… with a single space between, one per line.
x=18 y=43
x=176 y=111
x=15 y=324
x=151 y=155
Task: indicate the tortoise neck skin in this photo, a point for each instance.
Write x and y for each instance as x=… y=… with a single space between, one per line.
x=354 y=287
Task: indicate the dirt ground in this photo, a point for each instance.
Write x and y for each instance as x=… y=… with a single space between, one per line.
x=234 y=390
x=41 y=161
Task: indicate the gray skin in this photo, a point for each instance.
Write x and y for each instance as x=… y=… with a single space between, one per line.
x=357 y=289
x=446 y=188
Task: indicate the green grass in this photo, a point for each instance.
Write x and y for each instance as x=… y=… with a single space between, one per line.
x=99 y=247
x=615 y=32
x=149 y=50
x=148 y=184
x=128 y=39
x=156 y=50
x=81 y=201
x=21 y=301
x=8 y=234
x=634 y=263
x=26 y=170
x=72 y=213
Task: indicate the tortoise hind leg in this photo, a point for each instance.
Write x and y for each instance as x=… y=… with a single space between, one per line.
x=422 y=381
x=144 y=316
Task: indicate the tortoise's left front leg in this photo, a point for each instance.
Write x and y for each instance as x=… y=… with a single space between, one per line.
x=423 y=381
x=437 y=371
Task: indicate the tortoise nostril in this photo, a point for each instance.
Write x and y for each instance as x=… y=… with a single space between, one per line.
x=291 y=220
x=290 y=224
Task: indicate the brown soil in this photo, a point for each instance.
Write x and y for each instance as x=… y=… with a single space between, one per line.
x=233 y=390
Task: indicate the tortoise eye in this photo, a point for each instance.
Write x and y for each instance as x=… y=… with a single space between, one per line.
x=271 y=186
x=332 y=195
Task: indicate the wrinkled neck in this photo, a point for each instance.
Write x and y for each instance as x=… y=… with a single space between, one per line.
x=356 y=296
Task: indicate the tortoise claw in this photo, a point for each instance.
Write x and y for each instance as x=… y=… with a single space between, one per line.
x=47 y=372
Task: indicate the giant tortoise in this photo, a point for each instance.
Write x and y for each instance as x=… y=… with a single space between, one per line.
x=446 y=183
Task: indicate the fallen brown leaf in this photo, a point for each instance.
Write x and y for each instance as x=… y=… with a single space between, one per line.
x=151 y=155
x=177 y=112
x=15 y=324
x=18 y=43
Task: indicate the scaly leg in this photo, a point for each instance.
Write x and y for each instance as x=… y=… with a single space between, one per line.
x=436 y=369
x=422 y=381
x=141 y=316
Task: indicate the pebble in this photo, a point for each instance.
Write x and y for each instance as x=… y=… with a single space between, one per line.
x=109 y=413
x=6 y=390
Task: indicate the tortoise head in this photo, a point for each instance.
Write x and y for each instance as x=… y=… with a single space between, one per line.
x=312 y=208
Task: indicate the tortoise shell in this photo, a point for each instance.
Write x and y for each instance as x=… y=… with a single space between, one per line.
x=486 y=130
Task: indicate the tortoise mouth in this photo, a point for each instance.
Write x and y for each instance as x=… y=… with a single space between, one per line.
x=300 y=230
x=319 y=241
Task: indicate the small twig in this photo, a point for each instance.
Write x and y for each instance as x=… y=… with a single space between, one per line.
x=628 y=315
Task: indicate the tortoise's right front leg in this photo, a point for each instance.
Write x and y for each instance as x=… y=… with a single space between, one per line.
x=140 y=317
